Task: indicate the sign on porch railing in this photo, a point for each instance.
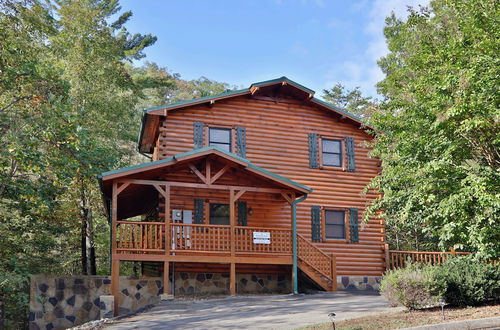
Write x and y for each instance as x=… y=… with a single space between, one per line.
x=260 y=237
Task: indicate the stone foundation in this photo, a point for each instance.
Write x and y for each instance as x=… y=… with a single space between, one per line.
x=63 y=302
x=358 y=283
x=206 y=284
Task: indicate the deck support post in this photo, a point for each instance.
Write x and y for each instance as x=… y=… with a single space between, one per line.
x=295 y=280
x=232 y=275
x=115 y=264
x=333 y=269
x=166 y=280
x=387 y=257
x=115 y=283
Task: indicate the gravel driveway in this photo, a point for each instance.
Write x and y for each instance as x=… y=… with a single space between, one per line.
x=254 y=312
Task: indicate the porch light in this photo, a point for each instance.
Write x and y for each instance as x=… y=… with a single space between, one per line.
x=332 y=317
x=250 y=211
x=442 y=302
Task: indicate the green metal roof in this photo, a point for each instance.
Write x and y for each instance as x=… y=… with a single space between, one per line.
x=197 y=151
x=282 y=79
x=199 y=100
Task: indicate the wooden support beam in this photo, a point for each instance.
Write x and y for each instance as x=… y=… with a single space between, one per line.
x=198 y=173
x=287 y=197
x=239 y=194
x=208 y=170
x=166 y=280
x=333 y=266
x=204 y=186
x=232 y=280
x=232 y=220
x=219 y=174
x=115 y=283
x=121 y=188
x=167 y=220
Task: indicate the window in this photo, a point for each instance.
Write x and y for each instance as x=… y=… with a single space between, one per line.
x=219 y=214
x=331 y=152
x=220 y=137
x=334 y=224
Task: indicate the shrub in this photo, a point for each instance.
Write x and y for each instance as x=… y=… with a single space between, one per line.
x=468 y=281
x=413 y=287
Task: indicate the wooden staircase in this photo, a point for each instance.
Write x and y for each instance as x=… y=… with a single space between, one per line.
x=319 y=266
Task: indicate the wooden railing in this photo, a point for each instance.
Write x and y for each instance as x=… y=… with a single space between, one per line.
x=143 y=237
x=200 y=238
x=280 y=240
x=314 y=257
x=399 y=259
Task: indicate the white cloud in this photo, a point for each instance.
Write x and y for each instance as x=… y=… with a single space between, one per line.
x=363 y=70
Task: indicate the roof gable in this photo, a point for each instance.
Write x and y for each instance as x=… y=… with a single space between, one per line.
x=151 y=116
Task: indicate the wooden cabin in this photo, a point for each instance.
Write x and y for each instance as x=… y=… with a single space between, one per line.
x=267 y=180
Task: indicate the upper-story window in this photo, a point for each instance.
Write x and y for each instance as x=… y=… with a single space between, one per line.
x=220 y=137
x=331 y=152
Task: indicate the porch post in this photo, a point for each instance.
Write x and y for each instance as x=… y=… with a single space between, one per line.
x=115 y=264
x=232 y=273
x=166 y=266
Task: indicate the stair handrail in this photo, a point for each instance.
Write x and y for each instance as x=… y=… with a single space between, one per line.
x=303 y=239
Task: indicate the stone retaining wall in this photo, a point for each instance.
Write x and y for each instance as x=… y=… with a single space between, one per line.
x=358 y=283
x=205 y=284
x=62 y=302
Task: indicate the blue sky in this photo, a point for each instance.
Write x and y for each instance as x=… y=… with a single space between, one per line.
x=314 y=42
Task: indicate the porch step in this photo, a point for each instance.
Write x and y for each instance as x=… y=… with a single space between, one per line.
x=316 y=276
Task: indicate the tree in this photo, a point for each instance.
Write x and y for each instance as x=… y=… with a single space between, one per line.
x=438 y=132
x=351 y=100
x=91 y=53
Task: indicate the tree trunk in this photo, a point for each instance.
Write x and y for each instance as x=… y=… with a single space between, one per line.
x=84 y=245
x=2 y=311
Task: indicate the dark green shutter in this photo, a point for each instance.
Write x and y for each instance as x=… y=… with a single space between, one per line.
x=242 y=213
x=199 y=211
x=313 y=150
x=353 y=225
x=241 y=142
x=349 y=144
x=198 y=134
x=316 y=223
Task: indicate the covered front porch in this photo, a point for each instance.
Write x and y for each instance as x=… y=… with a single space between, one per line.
x=203 y=206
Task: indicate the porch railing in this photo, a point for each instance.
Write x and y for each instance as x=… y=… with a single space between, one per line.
x=145 y=237
x=200 y=238
x=314 y=257
x=149 y=237
x=280 y=241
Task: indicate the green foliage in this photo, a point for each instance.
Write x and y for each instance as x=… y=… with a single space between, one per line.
x=438 y=132
x=468 y=281
x=460 y=281
x=413 y=287
x=351 y=100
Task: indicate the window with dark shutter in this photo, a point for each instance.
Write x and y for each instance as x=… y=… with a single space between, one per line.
x=313 y=150
x=241 y=141
x=219 y=214
x=334 y=224
x=199 y=211
x=220 y=138
x=242 y=213
x=349 y=144
x=353 y=225
x=198 y=134
x=331 y=152
x=316 y=223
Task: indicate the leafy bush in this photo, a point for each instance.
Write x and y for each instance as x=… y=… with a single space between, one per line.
x=413 y=287
x=468 y=281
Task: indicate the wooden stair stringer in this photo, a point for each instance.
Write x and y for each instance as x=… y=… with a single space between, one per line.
x=318 y=278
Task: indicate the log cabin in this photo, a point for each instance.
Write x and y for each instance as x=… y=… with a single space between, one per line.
x=252 y=189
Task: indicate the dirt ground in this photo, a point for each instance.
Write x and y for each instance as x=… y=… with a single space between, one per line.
x=405 y=319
